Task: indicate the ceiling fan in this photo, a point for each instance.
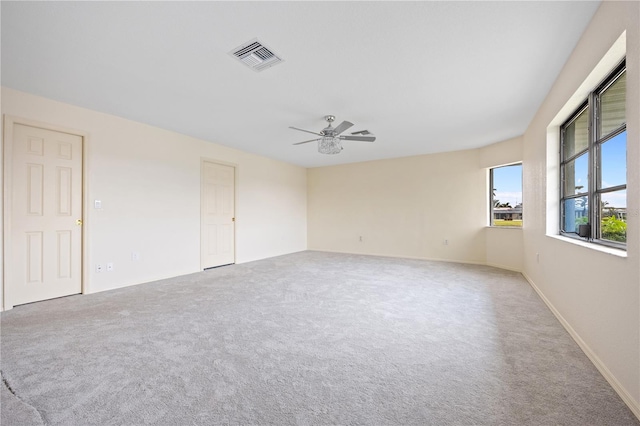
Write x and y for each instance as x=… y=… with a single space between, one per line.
x=330 y=140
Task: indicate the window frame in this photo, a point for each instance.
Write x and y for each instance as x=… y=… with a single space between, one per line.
x=491 y=199
x=594 y=167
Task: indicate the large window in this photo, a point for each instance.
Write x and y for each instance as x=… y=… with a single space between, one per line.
x=506 y=195
x=593 y=165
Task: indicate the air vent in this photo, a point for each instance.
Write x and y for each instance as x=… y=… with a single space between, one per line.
x=256 y=55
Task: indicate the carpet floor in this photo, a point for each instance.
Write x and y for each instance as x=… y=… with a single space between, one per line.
x=309 y=338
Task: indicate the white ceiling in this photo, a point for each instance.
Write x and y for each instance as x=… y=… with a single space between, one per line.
x=424 y=77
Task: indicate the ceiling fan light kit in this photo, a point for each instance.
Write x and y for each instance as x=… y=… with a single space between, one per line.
x=329 y=145
x=330 y=140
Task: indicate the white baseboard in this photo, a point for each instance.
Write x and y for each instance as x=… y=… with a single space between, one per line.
x=507 y=268
x=433 y=259
x=633 y=405
x=393 y=256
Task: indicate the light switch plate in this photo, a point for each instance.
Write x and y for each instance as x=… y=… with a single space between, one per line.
x=97 y=204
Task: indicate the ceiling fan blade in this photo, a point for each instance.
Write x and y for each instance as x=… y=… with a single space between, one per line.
x=302 y=130
x=312 y=140
x=342 y=127
x=358 y=138
x=361 y=132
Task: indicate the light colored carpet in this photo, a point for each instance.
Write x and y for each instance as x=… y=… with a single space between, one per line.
x=309 y=339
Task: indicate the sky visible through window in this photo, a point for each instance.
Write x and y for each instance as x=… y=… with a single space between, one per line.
x=614 y=169
x=507 y=182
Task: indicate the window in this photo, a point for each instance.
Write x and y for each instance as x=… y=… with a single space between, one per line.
x=506 y=195
x=593 y=165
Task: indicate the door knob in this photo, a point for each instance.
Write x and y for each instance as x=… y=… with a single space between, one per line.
x=78 y=221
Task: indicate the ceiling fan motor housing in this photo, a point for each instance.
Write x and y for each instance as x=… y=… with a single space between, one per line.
x=328 y=131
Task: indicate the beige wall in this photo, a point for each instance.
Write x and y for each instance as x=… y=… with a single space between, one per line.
x=503 y=246
x=594 y=293
x=148 y=180
x=408 y=206
x=501 y=153
x=401 y=207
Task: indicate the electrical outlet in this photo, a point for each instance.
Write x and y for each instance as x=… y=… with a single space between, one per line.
x=99 y=268
x=445 y=242
x=135 y=256
x=109 y=266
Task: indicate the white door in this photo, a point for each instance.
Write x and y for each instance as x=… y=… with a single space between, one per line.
x=45 y=258
x=217 y=241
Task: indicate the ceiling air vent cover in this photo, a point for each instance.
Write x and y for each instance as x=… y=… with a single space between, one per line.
x=256 y=55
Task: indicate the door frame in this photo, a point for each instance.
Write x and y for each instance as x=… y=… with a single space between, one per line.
x=235 y=204
x=7 y=188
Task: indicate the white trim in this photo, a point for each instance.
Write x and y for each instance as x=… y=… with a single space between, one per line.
x=592 y=246
x=512 y=163
x=431 y=259
x=9 y=121
x=633 y=405
x=507 y=268
x=503 y=227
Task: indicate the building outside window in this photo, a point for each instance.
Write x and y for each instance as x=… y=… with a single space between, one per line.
x=593 y=165
x=506 y=195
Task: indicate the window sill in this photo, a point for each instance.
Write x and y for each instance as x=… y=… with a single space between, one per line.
x=597 y=247
x=504 y=227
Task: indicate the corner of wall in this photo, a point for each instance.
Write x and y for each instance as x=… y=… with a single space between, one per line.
x=503 y=247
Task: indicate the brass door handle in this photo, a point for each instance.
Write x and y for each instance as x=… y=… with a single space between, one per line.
x=78 y=222
x=233 y=219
